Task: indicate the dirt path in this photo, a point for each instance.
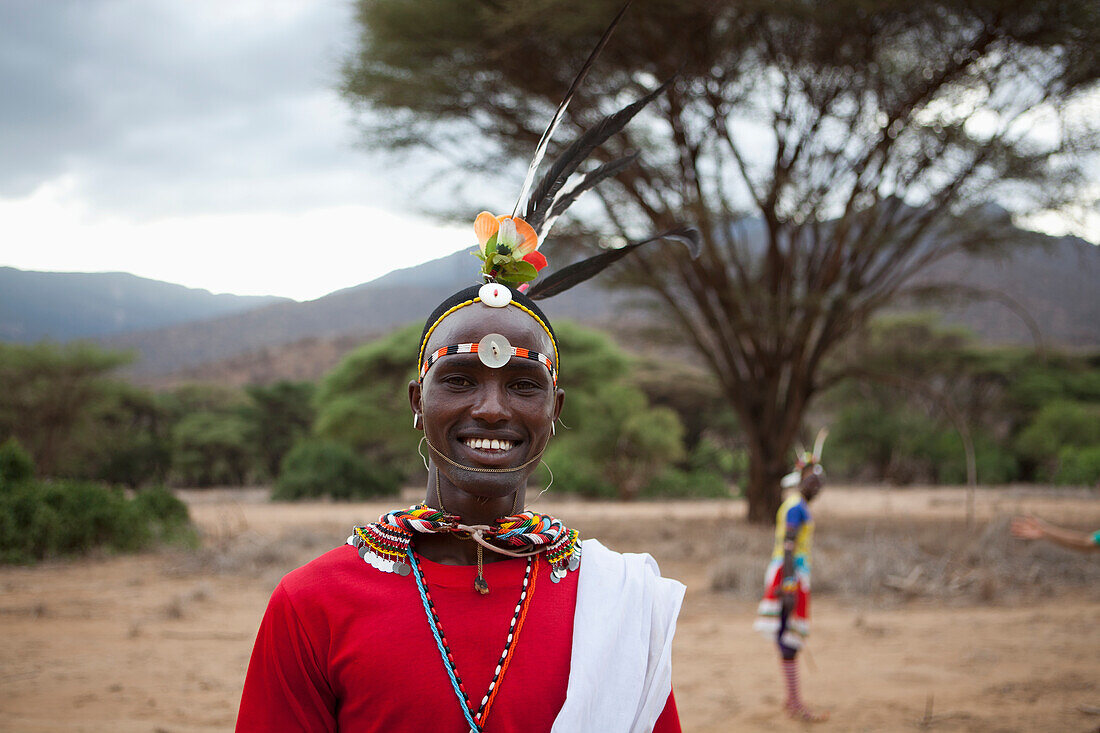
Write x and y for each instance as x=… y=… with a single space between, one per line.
x=159 y=642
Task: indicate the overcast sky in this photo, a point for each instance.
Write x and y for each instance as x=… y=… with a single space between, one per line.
x=198 y=142
x=201 y=142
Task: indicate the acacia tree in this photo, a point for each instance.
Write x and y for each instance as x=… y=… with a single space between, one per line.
x=828 y=152
x=51 y=396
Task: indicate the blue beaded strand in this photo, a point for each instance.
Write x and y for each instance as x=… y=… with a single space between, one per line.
x=474 y=727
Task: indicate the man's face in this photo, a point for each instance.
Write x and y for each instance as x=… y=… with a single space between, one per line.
x=483 y=417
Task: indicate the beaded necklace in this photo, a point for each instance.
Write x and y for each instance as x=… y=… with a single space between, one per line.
x=476 y=719
x=385 y=544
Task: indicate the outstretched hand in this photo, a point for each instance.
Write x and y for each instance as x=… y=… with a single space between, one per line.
x=1028 y=528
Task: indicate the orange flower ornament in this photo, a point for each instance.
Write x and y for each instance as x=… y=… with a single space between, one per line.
x=508 y=249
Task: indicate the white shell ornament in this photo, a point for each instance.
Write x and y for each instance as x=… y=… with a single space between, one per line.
x=495 y=295
x=494 y=350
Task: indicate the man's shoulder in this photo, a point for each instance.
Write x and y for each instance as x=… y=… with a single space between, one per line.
x=794 y=510
x=338 y=568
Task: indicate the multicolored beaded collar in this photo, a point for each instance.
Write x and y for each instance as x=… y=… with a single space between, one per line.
x=385 y=544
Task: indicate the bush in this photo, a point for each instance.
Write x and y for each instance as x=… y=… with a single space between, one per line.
x=675 y=483
x=136 y=460
x=994 y=463
x=160 y=504
x=708 y=475
x=315 y=468
x=40 y=519
x=16 y=465
x=364 y=404
x=211 y=448
x=1079 y=466
x=1058 y=425
x=575 y=473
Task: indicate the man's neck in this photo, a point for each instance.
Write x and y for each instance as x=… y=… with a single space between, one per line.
x=451 y=549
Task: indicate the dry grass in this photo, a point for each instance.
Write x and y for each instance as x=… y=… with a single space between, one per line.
x=918 y=623
x=888 y=561
x=882 y=558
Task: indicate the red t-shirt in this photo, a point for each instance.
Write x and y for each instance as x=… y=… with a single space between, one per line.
x=344 y=646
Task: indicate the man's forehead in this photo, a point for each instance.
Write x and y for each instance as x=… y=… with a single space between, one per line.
x=472 y=323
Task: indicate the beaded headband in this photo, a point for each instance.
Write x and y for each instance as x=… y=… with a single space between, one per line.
x=494 y=295
x=494 y=351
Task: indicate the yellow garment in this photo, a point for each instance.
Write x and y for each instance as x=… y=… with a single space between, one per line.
x=795 y=509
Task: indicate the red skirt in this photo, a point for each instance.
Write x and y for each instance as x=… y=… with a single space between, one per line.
x=768 y=621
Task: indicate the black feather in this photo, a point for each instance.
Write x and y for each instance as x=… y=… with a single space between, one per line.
x=566 y=163
x=565 y=198
x=559 y=114
x=578 y=272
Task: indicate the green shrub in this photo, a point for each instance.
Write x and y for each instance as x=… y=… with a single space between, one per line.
x=708 y=455
x=1058 y=425
x=575 y=473
x=161 y=505
x=211 y=448
x=708 y=474
x=135 y=460
x=994 y=463
x=675 y=483
x=363 y=404
x=16 y=465
x=1079 y=466
x=48 y=519
x=316 y=468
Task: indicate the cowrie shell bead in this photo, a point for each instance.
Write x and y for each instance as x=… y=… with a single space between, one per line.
x=494 y=351
x=495 y=295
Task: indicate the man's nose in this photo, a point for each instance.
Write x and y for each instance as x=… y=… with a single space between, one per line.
x=492 y=404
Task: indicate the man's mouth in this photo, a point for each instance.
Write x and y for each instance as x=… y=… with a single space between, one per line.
x=490 y=445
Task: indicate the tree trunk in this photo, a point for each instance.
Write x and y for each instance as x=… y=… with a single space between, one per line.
x=767 y=465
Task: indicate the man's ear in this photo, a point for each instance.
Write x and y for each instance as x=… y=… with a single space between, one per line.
x=559 y=402
x=416 y=403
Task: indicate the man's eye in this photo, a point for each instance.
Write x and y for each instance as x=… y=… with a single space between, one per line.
x=457 y=380
x=527 y=385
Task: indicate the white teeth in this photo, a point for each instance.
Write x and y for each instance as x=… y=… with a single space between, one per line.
x=487 y=444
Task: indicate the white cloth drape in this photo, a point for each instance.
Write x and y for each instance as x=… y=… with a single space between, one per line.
x=620 y=673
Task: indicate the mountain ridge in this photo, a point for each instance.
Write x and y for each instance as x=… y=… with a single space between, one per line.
x=63 y=306
x=1054 y=283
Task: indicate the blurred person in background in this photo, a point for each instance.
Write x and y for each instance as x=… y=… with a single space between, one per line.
x=784 y=612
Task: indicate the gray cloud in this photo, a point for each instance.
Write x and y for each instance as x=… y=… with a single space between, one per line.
x=172 y=106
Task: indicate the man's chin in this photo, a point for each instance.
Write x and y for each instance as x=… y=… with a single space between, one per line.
x=486 y=486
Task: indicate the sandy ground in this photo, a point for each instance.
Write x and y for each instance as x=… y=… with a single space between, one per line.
x=920 y=624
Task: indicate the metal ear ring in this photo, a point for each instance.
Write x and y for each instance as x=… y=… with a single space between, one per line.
x=552 y=429
x=416 y=421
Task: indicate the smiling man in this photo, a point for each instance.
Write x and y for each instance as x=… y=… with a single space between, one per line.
x=467 y=612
